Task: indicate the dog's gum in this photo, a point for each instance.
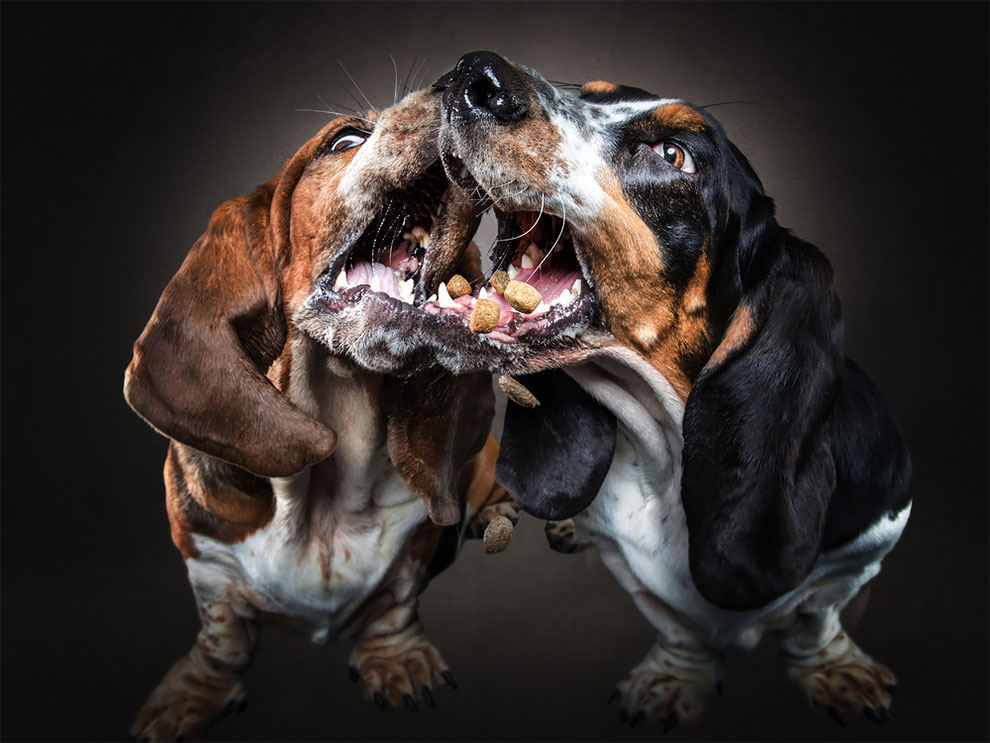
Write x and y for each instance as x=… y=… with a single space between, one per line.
x=522 y=297
x=517 y=392
x=484 y=316
x=458 y=286
x=499 y=280
x=498 y=534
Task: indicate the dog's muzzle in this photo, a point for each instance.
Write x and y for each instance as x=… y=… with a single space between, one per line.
x=483 y=85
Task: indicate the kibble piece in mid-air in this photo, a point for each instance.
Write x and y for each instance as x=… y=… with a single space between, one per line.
x=517 y=392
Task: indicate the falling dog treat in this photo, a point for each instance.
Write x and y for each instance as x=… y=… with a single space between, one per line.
x=458 y=286
x=522 y=296
x=499 y=280
x=498 y=534
x=516 y=392
x=484 y=316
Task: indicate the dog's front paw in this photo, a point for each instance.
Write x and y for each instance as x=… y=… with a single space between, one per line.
x=664 y=688
x=400 y=669
x=846 y=682
x=562 y=537
x=186 y=703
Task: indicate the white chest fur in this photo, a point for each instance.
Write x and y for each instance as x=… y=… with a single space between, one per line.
x=638 y=524
x=322 y=554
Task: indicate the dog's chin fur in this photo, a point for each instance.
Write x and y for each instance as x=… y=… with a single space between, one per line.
x=386 y=336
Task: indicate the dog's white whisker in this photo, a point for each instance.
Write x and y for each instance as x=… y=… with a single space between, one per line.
x=395 y=85
x=543 y=198
x=358 y=87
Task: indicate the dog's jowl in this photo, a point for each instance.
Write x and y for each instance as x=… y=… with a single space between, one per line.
x=698 y=418
x=317 y=478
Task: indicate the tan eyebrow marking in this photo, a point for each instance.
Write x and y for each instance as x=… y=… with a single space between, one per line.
x=599 y=86
x=679 y=116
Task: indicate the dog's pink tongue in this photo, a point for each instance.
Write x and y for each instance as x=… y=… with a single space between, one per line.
x=380 y=278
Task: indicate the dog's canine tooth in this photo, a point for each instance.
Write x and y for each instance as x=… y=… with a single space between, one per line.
x=576 y=287
x=512 y=273
x=445 y=300
x=341 y=281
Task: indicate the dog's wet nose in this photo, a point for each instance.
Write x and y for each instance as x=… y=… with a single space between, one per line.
x=485 y=84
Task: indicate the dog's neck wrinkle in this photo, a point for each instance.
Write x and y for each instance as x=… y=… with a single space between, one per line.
x=643 y=401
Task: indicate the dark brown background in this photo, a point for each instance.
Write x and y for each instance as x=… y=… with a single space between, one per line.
x=124 y=126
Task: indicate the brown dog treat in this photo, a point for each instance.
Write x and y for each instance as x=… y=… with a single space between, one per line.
x=522 y=296
x=458 y=286
x=498 y=534
x=484 y=316
x=516 y=392
x=499 y=280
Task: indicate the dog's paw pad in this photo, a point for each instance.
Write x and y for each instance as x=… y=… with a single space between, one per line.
x=562 y=537
x=401 y=671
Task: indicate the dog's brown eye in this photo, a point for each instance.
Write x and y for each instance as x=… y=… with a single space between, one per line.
x=675 y=155
x=346 y=142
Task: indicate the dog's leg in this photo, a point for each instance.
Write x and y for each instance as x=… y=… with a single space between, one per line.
x=204 y=685
x=837 y=677
x=670 y=684
x=391 y=654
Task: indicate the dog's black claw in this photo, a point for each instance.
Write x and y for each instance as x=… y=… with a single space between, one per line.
x=871 y=714
x=885 y=715
x=240 y=705
x=448 y=678
x=834 y=714
x=623 y=716
x=669 y=724
x=352 y=673
x=428 y=697
x=410 y=703
x=637 y=718
x=379 y=701
x=890 y=688
x=614 y=695
x=719 y=689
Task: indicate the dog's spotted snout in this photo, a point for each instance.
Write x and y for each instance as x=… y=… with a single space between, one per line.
x=486 y=85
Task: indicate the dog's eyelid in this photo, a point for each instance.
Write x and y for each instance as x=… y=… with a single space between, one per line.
x=346 y=139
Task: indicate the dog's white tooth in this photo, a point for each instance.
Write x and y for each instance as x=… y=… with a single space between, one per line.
x=513 y=271
x=534 y=252
x=483 y=294
x=421 y=236
x=576 y=287
x=541 y=309
x=564 y=298
x=406 y=291
x=433 y=298
x=445 y=301
x=341 y=281
x=528 y=262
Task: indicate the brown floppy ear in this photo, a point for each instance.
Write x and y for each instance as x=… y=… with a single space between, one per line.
x=758 y=469
x=436 y=425
x=198 y=369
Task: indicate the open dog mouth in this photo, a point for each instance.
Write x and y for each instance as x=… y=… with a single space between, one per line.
x=535 y=288
x=389 y=258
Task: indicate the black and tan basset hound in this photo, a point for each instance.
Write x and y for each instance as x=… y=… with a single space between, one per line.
x=317 y=484
x=698 y=417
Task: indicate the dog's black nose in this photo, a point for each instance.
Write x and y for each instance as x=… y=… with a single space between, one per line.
x=485 y=84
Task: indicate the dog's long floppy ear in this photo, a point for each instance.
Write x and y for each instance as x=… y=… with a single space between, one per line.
x=553 y=458
x=758 y=470
x=198 y=369
x=436 y=424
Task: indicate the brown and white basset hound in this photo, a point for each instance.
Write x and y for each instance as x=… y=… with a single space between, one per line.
x=698 y=417
x=317 y=484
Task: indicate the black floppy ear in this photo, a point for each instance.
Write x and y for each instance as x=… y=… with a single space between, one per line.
x=553 y=458
x=758 y=470
x=198 y=369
